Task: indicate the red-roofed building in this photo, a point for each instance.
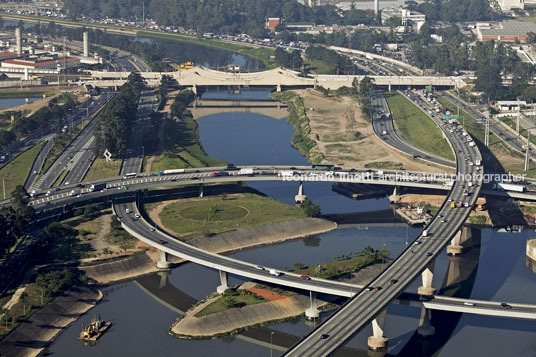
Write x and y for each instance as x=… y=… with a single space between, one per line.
x=272 y=23
x=5 y=55
x=68 y=62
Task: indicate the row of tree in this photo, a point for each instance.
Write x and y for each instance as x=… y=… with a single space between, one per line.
x=455 y=10
x=47 y=116
x=15 y=220
x=115 y=122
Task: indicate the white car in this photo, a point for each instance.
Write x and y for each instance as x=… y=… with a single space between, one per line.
x=136 y=215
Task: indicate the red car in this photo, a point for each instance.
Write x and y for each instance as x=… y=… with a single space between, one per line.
x=305 y=277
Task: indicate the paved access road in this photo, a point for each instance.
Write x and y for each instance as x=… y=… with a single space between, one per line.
x=382 y=122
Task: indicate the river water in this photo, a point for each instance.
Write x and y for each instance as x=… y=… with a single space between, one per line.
x=495 y=267
x=6 y=103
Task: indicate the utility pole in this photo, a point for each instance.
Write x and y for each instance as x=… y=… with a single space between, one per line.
x=518 y=117
x=486 y=137
x=527 y=150
x=4 y=186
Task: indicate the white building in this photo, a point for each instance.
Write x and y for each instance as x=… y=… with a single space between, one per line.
x=404 y=14
x=511 y=4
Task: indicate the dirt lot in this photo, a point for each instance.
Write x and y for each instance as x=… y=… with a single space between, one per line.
x=347 y=139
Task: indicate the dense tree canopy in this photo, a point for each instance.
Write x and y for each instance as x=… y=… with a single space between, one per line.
x=114 y=124
x=456 y=10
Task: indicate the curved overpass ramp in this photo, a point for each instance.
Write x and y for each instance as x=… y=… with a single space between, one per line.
x=366 y=305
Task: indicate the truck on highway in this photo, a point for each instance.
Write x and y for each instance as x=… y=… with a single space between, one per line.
x=511 y=187
x=173 y=171
x=246 y=171
x=74 y=192
x=285 y=173
x=97 y=187
x=275 y=272
x=456 y=204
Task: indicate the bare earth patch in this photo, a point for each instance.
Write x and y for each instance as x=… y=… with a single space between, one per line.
x=346 y=139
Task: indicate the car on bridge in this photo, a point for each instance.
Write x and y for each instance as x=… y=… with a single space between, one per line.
x=305 y=277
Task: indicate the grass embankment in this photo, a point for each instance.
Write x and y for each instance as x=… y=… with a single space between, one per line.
x=416 y=127
x=510 y=160
x=43 y=289
x=192 y=218
x=17 y=170
x=24 y=94
x=101 y=169
x=385 y=165
x=477 y=220
x=297 y=117
x=76 y=237
x=183 y=147
x=231 y=298
x=344 y=264
x=60 y=179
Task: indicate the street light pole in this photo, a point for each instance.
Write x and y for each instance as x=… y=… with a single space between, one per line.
x=271 y=346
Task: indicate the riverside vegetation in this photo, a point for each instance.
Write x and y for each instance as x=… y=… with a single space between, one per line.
x=297 y=117
x=343 y=264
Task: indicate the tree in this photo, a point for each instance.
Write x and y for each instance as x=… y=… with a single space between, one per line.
x=166 y=82
x=366 y=86
x=19 y=203
x=489 y=81
x=309 y=208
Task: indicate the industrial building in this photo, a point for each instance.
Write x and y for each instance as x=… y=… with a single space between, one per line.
x=506 y=31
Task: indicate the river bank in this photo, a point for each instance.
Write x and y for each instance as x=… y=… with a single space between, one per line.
x=32 y=336
x=142 y=264
x=277 y=308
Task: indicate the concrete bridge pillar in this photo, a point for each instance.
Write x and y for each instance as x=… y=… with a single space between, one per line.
x=456 y=244
x=300 y=197
x=278 y=88
x=223 y=279
x=115 y=88
x=389 y=88
x=425 y=329
x=377 y=341
x=427 y=277
x=312 y=312
x=163 y=262
x=395 y=197
x=194 y=89
x=163 y=278
x=201 y=189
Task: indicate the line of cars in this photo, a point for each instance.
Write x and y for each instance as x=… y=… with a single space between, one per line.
x=276 y=272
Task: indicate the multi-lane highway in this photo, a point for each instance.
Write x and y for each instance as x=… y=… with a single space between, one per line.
x=80 y=149
x=385 y=129
x=364 y=307
x=514 y=141
x=134 y=157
